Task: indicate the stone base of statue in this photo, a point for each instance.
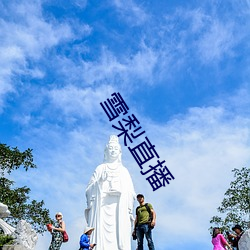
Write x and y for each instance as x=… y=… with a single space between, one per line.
x=13 y=247
x=244 y=242
x=25 y=236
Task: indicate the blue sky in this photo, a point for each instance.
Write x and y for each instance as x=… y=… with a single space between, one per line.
x=181 y=66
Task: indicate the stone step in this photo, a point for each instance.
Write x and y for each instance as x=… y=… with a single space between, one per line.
x=12 y=247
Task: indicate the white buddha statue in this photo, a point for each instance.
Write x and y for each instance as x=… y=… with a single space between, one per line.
x=244 y=242
x=110 y=197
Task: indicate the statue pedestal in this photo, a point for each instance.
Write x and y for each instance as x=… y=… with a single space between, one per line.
x=244 y=242
x=13 y=247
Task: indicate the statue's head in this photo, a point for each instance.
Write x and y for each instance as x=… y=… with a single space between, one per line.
x=112 y=150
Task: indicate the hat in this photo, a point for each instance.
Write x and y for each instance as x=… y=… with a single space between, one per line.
x=59 y=213
x=140 y=195
x=237 y=227
x=87 y=229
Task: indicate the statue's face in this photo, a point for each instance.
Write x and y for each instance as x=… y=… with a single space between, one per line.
x=113 y=150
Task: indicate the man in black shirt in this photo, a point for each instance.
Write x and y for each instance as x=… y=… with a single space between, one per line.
x=238 y=230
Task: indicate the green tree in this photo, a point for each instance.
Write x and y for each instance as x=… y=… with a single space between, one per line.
x=17 y=199
x=235 y=206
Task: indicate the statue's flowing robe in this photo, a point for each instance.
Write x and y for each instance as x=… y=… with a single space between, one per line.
x=109 y=209
x=244 y=242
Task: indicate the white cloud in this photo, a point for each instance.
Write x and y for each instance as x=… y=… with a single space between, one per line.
x=80 y=3
x=131 y=12
x=143 y=63
x=198 y=20
x=239 y=102
x=105 y=69
x=10 y=59
x=31 y=33
x=201 y=34
x=25 y=35
x=121 y=71
x=217 y=42
x=82 y=102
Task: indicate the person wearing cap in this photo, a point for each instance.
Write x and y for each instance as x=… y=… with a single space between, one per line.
x=56 y=231
x=85 y=239
x=239 y=231
x=141 y=225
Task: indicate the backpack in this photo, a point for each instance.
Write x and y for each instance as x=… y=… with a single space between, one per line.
x=150 y=218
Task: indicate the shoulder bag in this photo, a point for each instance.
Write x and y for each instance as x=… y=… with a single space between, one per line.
x=65 y=236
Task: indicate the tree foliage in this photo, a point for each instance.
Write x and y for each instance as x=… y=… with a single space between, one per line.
x=235 y=206
x=11 y=159
x=6 y=239
x=17 y=199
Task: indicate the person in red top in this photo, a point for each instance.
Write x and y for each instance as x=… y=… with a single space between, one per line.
x=218 y=240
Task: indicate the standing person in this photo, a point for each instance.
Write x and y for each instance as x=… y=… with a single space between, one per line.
x=142 y=226
x=85 y=239
x=239 y=231
x=231 y=240
x=110 y=198
x=56 y=231
x=218 y=240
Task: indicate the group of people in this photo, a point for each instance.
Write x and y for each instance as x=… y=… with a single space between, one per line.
x=110 y=200
x=144 y=223
x=57 y=236
x=219 y=242
x=110 y=197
